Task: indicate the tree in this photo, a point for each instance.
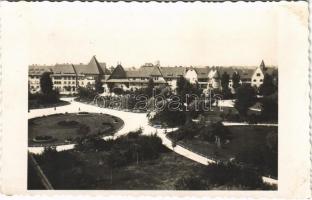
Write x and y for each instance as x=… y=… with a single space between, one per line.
x=267 y=88
x=225 y=79
x=46 y=84
x=86 y=93
x=246 y=97
x=180 y=84
x=99 y=85
x=150 y=87
x=269 y=109
x=236 y=80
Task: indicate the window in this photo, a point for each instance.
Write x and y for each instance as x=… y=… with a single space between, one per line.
x=261 y=80
x=258 y=74
x=254 y=80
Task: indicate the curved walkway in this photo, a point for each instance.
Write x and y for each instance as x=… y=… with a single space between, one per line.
x=132 y=122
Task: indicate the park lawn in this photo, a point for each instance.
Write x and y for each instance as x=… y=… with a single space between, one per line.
x=91 y=173
x=34 y=104
x=48 y=126
x=158 y=174
x=248 y=146
x=232 y=110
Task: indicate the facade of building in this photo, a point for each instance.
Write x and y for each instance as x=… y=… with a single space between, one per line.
x=258 y=75
x=134 y=79
x=67 y=78
x=34 y=74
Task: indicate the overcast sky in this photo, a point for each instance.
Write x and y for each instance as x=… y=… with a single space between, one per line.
x=197 y=34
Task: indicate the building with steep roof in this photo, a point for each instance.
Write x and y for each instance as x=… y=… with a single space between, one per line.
x=64 y=78
x=67 y=78
x=88 y=73
x=258 y=74
x=191 y=75
x=34 y=74
x=135 y=79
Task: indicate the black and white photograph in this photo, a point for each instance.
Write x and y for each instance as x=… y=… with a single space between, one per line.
x=160 y=96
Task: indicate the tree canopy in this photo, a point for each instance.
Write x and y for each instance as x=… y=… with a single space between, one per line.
x=236 y=80
x=225 y=79
x=267 y=88
x=46 y=83
x=99 y=85
x=150 y=87
x=246 y=97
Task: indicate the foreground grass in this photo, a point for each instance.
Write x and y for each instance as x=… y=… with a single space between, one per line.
x=34 y=104
x=248 y=145
x=138 y=162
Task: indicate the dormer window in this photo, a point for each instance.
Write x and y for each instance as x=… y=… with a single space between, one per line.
x=258 y=74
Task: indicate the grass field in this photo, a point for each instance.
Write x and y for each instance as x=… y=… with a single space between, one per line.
x=81 y=125
x=33 y=104
x=88 y=172
x=249 y=145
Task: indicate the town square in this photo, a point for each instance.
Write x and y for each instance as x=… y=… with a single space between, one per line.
x=155 y=99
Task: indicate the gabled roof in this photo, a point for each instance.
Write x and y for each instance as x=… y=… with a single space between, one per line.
x=172 y=72
x=214 y=73
x=144 y=72
x=63 y=69
x=246 y=73
x=92 y=68
x=38 y=69
x=262 y=65
x=202 y=72
x=118 y=73
x=229 y=70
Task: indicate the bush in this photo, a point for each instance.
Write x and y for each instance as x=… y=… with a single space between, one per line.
x=270 y=108
x=83 y=113
x=190 y=183
x=171 y=118
x=187 y=131
x=135 y=134
x=253 y=119
x=216 y=129
x=124 y=149
x=246 y=97
x=231 y=174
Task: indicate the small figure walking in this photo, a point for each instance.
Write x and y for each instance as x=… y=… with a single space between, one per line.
x=54 y=108
x=79 y=109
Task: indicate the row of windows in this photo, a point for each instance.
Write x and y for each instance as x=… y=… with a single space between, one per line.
x=64 y=78
x=66 y=88
x=65 y=82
